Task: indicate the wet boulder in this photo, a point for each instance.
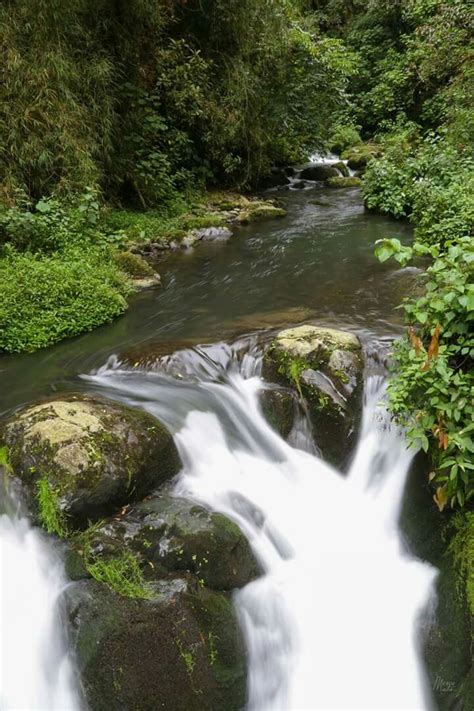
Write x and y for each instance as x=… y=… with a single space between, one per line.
x=168 y=534
x=80 y=458
x=318 y=171
x=259 y=210
x=325 y=366
x=180 y=649
x=278 y=406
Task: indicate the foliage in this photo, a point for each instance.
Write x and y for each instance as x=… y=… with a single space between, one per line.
x=121 y=573
x=143 y=99
x=432 y=393
x=344 y=137
x=133 y=264
x=52 y=518
x=45 y=298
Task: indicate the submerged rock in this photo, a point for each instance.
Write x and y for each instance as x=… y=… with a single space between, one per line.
x=174 y=534
x=325 y=365
x=81 y=457
x=180 y=650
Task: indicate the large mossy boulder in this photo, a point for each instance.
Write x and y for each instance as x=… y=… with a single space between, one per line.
x=168 y=534
x=358 y=156
x=344 y=182
x=80 y=458
x=181 y=649
x=325 y=366
x=318 y=171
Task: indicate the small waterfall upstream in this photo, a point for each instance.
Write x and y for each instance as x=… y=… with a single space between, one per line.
x=36 y=673
x=332 y=621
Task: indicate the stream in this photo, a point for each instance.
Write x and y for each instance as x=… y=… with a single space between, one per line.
x=332 y=621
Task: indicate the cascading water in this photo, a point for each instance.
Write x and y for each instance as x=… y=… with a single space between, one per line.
x=36 y=672
x=331 y=623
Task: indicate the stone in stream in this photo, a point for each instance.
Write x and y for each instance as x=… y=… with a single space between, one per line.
x=318 y=171
x=181 y=649
x=80 y=458
x=325 y=365
x=278 y=406
x=168 y=534
x=342 y=182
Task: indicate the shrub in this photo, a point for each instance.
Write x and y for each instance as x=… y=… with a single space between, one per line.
x=344 y=137
x=431 y=393
x=133 y=264
x=45 y=298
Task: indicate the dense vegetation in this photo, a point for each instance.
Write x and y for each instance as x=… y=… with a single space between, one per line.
x=115 y=116
x=138 y=105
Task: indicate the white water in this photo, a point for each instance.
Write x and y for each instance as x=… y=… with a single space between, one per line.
x=331 y=624
x=36 y=673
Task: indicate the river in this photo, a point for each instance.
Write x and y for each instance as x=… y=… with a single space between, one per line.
x=332 y=622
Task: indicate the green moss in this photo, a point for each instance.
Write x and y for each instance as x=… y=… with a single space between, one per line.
x=133 y=264
x=5 y=459
x=50 y=514
x=342 y=182
x=121 y=573
x=462 y=548
x=261 y=211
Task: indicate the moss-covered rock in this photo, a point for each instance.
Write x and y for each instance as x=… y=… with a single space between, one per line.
x=278 y=407
x=318 y=171
x=343 y=182
x=259 y=210
x=168 y=534
x=325 y=365
x=180 y=650
x=80 y=458
x=358 y=156
x=342 y=168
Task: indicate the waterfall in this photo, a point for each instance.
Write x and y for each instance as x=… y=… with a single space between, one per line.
x=36 y=672
x=332 y=621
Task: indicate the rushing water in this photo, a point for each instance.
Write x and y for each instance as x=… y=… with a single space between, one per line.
x=332 y=622
x=36 y=672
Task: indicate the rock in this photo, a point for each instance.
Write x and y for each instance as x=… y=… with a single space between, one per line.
x=213 y=234
x=174 y=534
x=180 y=650
x=325 y=365
x=318 y=171
x=278 y=177
x=358 y=156
x=298 y=185
x=342 y=168
x=341 y=182
x=189 y=241
x=258 y=210
x=278 y=406
x=151 y=282
x=87 y=456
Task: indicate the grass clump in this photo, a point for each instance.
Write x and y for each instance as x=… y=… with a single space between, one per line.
x=133 y=264
x=122 y=574
x=4 y=458
x=52 y=518
x=45 y=298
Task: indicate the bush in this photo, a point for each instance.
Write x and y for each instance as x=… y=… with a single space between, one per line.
x=432 y=391
x=45 y=298
x=133 y=264
x=344 y=137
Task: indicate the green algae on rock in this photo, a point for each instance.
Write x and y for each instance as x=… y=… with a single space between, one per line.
x=180 y=650
x=344 y=182
x=169 y=534
x=94 y=455
x=325 y=366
